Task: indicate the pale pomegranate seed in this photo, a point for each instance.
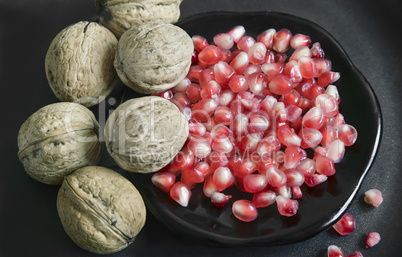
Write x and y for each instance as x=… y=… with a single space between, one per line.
x=285 y=191
x=257 y=123
x=226 y=97
x=288 y=137
x=335 y=251
x=223 y=178
x=223 y=40
x=209 y=187
x=314 y=118
x=317 y=51
x=292 y=70
x=294 y=178
x=293 y=113
x=327 y=104
x=264 y=198
x=276 y=177
x=257 y=53
x=203 y=109
x=336 y=151
x=346 y=225
x=220 y=199
x=356 y=254
x=257 y=82
x=210 y=55
x=310 y=137
x=372 y=239
x=322 y=65
x=222 y=143
x=373 y=197
x=315 y=180
x=182 y=86
x=180 y=193
x=252 y=68
x=281 y=40
x=280 y=85
x=255 y=183
x=240 y=62
x=272 y=69
x=307 y=167
x=307 y=67
x=211 y=90
x=244 y=210
x=200 y=147
x=245 y=43
x=286 y=206
x=164 y=180
x=199 y=42
x=236 y=33
x=333 y=91
x=347 y=134
x=300 y=52
x=240 y=125
x=299 y=40
x=268 y=146
x=266 y=37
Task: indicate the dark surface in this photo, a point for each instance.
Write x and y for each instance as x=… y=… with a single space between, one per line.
x=368 y=31
x=203 y=221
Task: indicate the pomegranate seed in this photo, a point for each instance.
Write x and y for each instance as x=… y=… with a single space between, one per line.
x=287 y=137
x=180 y=193
x=257 y=53
x=251 y=69
x=223 y=72
x=245 y=43
x=281 y=57
x=294 y=178
x=315 y=180
x=299 y=40
x=197 y=174
x=325 y=166
x=347 y=134
x=327 y=104
x=268 y=146
x=322 y=65
x=333 y=90
x=336 y=151
x=317 y=51
x=255 y=183
x=211 y=90
x=236 y=33
x=199 y=147
x=335 y=251
x=372 y=239
x=293 y=156
x=307 y=167
x=194 y=73
x=164 y=180
x=285 y=191
x=206 y=76
x=210 y=55
x=209 y=187
x=196 y=128
x=193 y=92
x=240 y=62
x=310 y=137
x=336 y=121
x=264 y=198
x=356 y=254
x=292 y=70
x=184 y=159
x=199 y=42
x=293 y=113
x=221 y=129
x=307 y=67
x=300 y=52
x=257 y=123
x=280 y=85
x=203 y=109
x=167 y=94
x=281 y=40
x=223 y=40
x=222 y=143
x=296 y=193
x=286 y=206
x=244 y=167
x=238 y=83
x=222 y=178
x=272 y=69
x=328 y=135
x=220 y=199
x=269 y=57
x=244 y=210
x=328 y=77
x=182 y=86
x=346 y=225
x=314 y=118
x=373 y=197
x=276 y=177
x=257 y=82
x=240 y=125
x=226 y=97
x=266 y=37
x=181 y=100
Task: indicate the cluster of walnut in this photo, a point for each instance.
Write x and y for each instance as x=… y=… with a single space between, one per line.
x=60 y=143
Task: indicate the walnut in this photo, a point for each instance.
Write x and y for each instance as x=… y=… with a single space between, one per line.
x=144 y=134
x=100 y=210
x=58 y=139
x=121 y=15
x=79 y=63
x=153 y=57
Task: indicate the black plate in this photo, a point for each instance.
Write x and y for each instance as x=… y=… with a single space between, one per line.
x=321 y=206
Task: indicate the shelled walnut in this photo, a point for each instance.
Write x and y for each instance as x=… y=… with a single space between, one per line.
x=144 y=134
x=79 y=63
x=153 y=57
x=58 y=139
x=121 y=15
x=100 y=210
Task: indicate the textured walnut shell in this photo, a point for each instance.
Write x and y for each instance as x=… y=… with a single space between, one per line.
x=144 y=134
x=58 y=139
x=121 y=15
x=100 y=210
x=153 y=57
x=79 y=63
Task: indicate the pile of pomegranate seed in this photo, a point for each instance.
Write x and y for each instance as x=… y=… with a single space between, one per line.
x=254 y=107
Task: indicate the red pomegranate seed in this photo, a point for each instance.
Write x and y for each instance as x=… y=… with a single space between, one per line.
x=240 y=125
x=328 y=135
x=180 y=193
x=245 y=43
x=347 y=133
x=286 y=206
x=197 y=174
x=203 y=109
x=322 y=65
x=209 y=187
x=373 y=197
x=272 y=69
x=293 y=113
x=240 y=62
x=281 y=40
x=217 y=160
x=336 y=151
x=236 y=33
x=292 y=70
x=220 y=199
x=299 y=40
x=181 y=100
x=346 y=225
x=257 y=53
x=264 y=198
x=206 y=76
x=356 y=254
x=307 y=67
x=372 y=239
x=333 y=90
x=293 y=156
x=223 y=72
x=257 y=82
x=266 y=37
x=223 y=115
x=287 y=137
x=327 y=78
x=327 y=104
x=325 y=166
x=257 y=123
x=300 y=52
x=222 y=143
x=184 y=159
x=294 y=178
x=211 y=90
x=200 y=147
x=335 y=251
x=193 y=92
x=226 y=97
x=244 y=167
x=296 y=193
x=269 y=57
x=307 y=167
x=244 y=210
x=315 y=180
x=238 y=83
x=276 y=177
x=199 y=42
x=194 y=73
x=314 y=118
x=164 y=180
x=336 y=121
x=210 y=55
x=223 y=40
x=255 y=183
x=252 y=68
x=223 y=178
x=280 y=85
x=317 y=51
x=310 y=137
x=268 y=146
x=281 y=57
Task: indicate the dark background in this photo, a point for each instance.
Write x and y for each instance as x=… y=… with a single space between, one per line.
x=369 y=31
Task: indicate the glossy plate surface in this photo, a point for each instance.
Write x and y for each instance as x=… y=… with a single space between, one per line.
x=320 y=206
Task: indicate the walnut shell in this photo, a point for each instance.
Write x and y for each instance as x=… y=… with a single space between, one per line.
x=144 y=134
x=121 y=15
x=100 y=210
x=58 y=139
x=79 y=63
x=153 y=57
